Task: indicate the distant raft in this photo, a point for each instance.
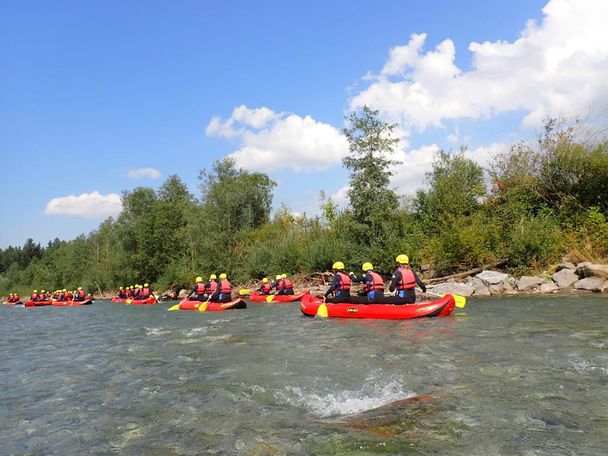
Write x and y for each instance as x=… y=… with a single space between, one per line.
x=257 y=297
x=150 y=300
x=312 y=306
x=38 y=303
x=70 y=303
x=238 y=303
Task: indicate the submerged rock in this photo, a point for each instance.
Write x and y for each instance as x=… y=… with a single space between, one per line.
x=529 y=283
x=591 y=284
x=565 y=278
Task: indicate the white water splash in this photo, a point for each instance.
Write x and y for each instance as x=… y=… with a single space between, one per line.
x=156 y=331
x=335 y=403
x=195 y=332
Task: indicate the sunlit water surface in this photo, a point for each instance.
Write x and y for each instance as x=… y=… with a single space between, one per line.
x=512 y=376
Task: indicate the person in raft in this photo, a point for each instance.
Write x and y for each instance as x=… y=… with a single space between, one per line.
x=211 y=286
x=34 y=296
x=79 y=294
x=146 y=291
x=404 y=281
x=265 y=288
x=339 y=286
x=278 y=284
x=287 y=285
x=223 y=293
x=122 y=294
x=373 y=286
x=199 y=292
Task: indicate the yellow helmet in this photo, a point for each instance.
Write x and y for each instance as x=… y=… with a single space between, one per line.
x=10 y=294
x=278 y=277
x=283 y=276
x=35 y=291
x=42 y=291
x=140 y=286
x=223 y=275
x=198 y=279
x=402 y=259
x=80 y=288
x=212 y=277
x=146 y=285
x=264 y=280
x=338 y=265
x=131 y=287
x=367 y=266
x=121 y=288
x=64 y=290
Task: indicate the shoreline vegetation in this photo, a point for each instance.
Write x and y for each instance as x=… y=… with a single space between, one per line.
x=537 y=215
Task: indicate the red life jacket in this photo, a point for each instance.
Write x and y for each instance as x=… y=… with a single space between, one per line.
x=34 y=296
x=280 y=284
x=266 y=288
x=377 y=284
x=136 y=292
x=408 y=281
x=211 y=286
x=225 y=287
x=129 y=292
x=15 y=298
x=81 y=294
x=69 y=296
x=201 y=288
x=145 y=292
x=345 y=282
x=287 y=285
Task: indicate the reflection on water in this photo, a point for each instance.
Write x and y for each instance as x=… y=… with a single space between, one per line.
x=502 y=376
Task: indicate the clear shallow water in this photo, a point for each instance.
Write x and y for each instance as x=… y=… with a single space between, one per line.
x=512 y=376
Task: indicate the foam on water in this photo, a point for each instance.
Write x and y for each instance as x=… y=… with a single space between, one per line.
x=370 y=396
x=156 y=331
x=195 y=332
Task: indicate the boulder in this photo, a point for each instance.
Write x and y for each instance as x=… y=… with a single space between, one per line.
x=182 y=294
x=565 y=265
x=529 y=283
x=480 y=287
x=587 y=269
x=548 y=287
x=565 y=278
x=491 y=277
x=453 y=287
x=592 y=284
x=497 y=289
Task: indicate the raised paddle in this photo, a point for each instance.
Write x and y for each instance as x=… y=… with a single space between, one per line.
x=244 y=291
x=459 y=300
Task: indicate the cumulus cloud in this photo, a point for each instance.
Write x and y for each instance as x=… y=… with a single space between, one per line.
x=557 y=67
x=92 y=205
x=272 y=141
x=141 y=173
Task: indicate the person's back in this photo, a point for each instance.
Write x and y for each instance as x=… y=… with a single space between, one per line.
x=287 y=285
x=404 y=281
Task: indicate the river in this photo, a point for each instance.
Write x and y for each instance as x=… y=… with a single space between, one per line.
x=508 y=376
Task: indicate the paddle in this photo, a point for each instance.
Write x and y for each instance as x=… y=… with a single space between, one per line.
x=460 y=301
x=244 y=291
x=203 y=306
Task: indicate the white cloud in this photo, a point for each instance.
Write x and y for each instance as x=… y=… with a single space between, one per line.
x=557 y=67
x=141 y=173
x=340 y=198
x=86 y=205
x=275 y=141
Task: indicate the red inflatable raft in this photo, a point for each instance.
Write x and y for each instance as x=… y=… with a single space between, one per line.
x=150 y=300
x=86 y=302
x=18 y=303
x=238 y=303
x=441 y=307
x=257 y=297
x=38 y=303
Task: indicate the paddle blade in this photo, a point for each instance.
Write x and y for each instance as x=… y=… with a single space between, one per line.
x=461 y=301
x=322 y=311
x=129 y=301
x=269 y=298
x=244 y=292
x=175 y=307
x=202 y=307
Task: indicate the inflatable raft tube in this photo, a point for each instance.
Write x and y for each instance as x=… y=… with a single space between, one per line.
x=312 y=306
x=70 y=303
x=38 y=303
x=257 y=297
x=238 y=303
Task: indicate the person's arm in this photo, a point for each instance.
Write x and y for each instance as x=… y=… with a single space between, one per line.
x=395 y=279
x=216 y=293
x=354 y=278
x=419 y=282
x=333 y=285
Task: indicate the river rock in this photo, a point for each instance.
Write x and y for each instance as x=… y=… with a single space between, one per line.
x=182 y=294
x=497 y=289
x=453 y=287
x=529 y=283
x=480 y=287
x=565 y=278
x=592 y=284
x=548 y=287
x=492 y=277
x=565 y=265
x=587 y=269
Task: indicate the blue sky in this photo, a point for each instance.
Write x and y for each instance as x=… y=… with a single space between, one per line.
x=92 y=90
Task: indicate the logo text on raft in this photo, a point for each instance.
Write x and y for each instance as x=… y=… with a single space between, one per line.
x=352 y=309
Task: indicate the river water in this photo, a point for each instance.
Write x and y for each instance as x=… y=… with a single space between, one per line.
x=512 y=376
